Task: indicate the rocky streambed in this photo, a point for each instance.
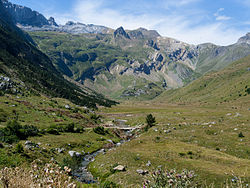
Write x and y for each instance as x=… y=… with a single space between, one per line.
x=82 y=174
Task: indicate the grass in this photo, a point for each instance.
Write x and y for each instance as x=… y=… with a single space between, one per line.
x=44 y=112
x=205 y=140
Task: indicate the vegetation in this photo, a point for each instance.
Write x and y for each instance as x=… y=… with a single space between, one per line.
x=171 y=178
x=20 y=58
x=150 y=120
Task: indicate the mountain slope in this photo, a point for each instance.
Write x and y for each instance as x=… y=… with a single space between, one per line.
x=20 y=59
x=128 y=63
x=231 y=83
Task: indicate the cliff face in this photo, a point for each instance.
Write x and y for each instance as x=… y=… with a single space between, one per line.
x=24 y=15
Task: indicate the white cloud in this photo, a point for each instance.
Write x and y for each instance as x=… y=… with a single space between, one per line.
x=223 y=18
x=219 y=16
x=178 y=3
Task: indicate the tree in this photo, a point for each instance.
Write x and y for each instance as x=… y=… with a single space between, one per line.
x=150 y=120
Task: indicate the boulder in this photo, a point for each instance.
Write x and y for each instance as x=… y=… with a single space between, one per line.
x=120 y=168
x=148 y=163
x=77 y=154
x=142 y=172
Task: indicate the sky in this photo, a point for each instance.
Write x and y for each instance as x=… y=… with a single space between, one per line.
x=221 y=22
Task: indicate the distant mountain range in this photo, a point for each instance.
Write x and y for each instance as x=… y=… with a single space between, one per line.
x=124 y=63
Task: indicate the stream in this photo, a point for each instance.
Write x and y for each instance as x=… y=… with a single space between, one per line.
x=82 y=174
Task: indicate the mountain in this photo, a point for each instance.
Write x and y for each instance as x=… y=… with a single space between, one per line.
x=21 y=60
x=229 y=84
x=129 y=63
x=24 y=15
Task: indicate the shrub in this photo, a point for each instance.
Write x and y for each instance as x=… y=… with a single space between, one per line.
x=54 y=131
x=99 y=130
x=94 y=117
x=19 y=148
x=3 y=116
x=241 y=135
x=14 y=132
x=150 y=120
x=69 y=128
x=108 y=184
x=248 y=90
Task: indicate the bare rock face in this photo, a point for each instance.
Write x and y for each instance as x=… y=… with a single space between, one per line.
x=245 y=39
x=120 y=32
x=24 y=15
x=52 y=21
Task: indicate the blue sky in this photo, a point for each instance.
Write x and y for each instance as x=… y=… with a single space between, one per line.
x=193 y=21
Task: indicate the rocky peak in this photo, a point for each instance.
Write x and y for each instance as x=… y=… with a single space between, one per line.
x=120 y=32
x=135 y=34
x=245 y=39
x=70 y=23
x=52 y=21
x=149 y=33
x=24 y=15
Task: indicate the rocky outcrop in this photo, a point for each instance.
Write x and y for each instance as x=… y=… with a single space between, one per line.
x=121 y=33
x=52 y=21
x=245 y=39
x=24 y=15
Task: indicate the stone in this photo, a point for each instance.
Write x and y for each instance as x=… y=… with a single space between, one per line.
x=120 y=168
x=74 y=153
x=148 y=163
x=118 y=144
x=67 y=106
x=142 y=172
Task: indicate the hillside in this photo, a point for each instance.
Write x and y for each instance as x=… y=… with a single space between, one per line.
x=23 y=61
x=229 y=84
x=124 y=64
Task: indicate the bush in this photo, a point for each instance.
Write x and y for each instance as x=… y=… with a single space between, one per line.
x=150 y=120
x=52 y=130
x=95 y=117
x=108 y=184
x=19 y=148
x=69 y=128
x=241 y=135
x=14 y=132
x=99 y=130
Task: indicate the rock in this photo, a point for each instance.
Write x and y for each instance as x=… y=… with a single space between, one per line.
x=24 y=15
x=142 y=172
x=52 y=21
x=28 y=142
x=120 y=32
x=110 y=141
x=118 y=144
x=235 y=129
x=148 y=163
x=244 y=39
x=167 y=131
x=67 y=106
x=120 y=168
x=74 y=153
x=60 y=150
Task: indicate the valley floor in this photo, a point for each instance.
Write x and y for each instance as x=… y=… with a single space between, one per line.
x=204 y=138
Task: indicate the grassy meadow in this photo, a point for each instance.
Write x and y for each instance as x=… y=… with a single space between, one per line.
x=203 y=138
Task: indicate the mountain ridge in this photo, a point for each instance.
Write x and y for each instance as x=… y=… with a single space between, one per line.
x=129 y=62
x=20 y=59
